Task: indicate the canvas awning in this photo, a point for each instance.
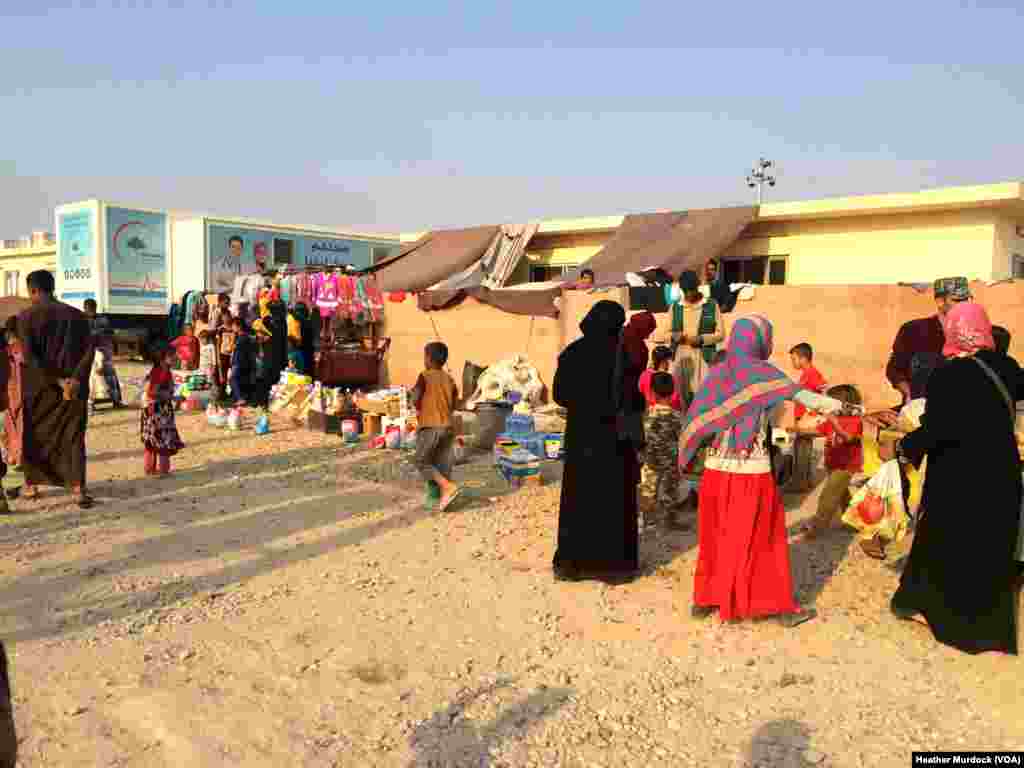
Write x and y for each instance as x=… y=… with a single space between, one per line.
x=534 y=299
x=485 y=279
x=673 y=241
x=434 y=257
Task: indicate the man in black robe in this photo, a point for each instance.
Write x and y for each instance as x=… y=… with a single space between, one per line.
x=597 y=519
x=58 y=349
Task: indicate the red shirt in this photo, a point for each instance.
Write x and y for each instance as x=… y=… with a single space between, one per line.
x=187 y=348
x=840 y=454
x=811 y=379
x=645 y=389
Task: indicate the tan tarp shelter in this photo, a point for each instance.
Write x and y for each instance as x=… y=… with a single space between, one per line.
x=673 y=241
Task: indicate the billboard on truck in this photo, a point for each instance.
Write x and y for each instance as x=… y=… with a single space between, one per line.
x=77 y=245
x=237 y=250
x=137 y=261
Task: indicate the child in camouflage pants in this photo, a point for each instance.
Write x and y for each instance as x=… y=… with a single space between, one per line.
x=659 y=487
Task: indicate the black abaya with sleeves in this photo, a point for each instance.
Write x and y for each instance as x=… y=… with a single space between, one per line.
x=597 y=519
x=961 y=573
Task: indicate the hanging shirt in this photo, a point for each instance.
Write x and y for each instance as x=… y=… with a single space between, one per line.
x=327 y=297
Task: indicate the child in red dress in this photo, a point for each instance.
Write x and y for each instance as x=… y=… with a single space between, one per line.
x=160 y=437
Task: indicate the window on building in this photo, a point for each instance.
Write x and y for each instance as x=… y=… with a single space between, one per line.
x=777 y=272
x=759 y=270
x=1018 y=266
x=284 y=251
x=543 y=274
x=11 y=283
x=378 y=253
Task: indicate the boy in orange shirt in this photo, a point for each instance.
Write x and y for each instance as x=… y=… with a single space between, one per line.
x=434 y=396
x=802 y=357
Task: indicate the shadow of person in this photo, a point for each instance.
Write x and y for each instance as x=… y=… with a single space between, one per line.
x=447 y=738
x=815 y=561
x=783 y=743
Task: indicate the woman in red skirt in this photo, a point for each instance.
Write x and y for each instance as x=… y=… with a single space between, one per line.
x=743 y=567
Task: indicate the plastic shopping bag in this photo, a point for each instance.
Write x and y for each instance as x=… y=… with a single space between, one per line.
x=878 y=508
x=263 y=424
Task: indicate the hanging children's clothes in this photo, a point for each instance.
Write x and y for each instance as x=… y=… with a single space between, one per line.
x=346 y=296
x=302 y=289
x=193 y=301
x=238 y=290
x=251 y=286
x=374 y=297
x=327 y=294
x=173 y=321
x=285 y=287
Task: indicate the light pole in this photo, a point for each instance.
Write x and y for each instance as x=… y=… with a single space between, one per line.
x=761 y=174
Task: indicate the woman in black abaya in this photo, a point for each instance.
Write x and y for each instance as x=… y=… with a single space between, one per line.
x=597 y=518
x=960 y=575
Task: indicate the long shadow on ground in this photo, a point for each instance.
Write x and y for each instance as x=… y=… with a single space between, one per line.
x=280 y=515
x=784 y=742
x=448 y=739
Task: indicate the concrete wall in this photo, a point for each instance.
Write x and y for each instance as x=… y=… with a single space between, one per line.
x=473 y=332
x=867 y=250
x=850 y=327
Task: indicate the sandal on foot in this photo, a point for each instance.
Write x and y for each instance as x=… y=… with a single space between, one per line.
x=31 y=495
x=85 y=501
x=448 y=500
x=791 y=620
x=701 y=611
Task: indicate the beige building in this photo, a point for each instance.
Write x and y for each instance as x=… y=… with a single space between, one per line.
x=20 y=257
x=977 y=232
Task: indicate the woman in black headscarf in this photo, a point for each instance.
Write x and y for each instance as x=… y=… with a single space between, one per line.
x=597 y=518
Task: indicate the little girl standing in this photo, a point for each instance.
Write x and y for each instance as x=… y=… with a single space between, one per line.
x=160 y=436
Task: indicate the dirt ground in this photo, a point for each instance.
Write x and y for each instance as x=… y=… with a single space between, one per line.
x=286 y=601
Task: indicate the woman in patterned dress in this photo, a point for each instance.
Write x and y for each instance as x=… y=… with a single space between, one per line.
x=743 y=567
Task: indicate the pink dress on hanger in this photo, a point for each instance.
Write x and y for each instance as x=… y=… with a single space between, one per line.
x=375 y=297
x=327 y=295
x=346 y=296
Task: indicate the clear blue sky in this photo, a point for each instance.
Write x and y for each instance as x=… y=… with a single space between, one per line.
x=411 y=115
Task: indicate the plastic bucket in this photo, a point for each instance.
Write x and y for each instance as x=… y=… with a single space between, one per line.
x=491 y=420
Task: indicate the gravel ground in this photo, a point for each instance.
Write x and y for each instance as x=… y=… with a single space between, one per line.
x=284 y=600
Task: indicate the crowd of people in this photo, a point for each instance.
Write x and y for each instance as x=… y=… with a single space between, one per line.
x=693 y=425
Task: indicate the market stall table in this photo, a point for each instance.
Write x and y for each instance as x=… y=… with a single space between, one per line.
x=351 y=365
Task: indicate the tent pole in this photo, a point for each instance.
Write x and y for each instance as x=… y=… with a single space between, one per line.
x=529 y=338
